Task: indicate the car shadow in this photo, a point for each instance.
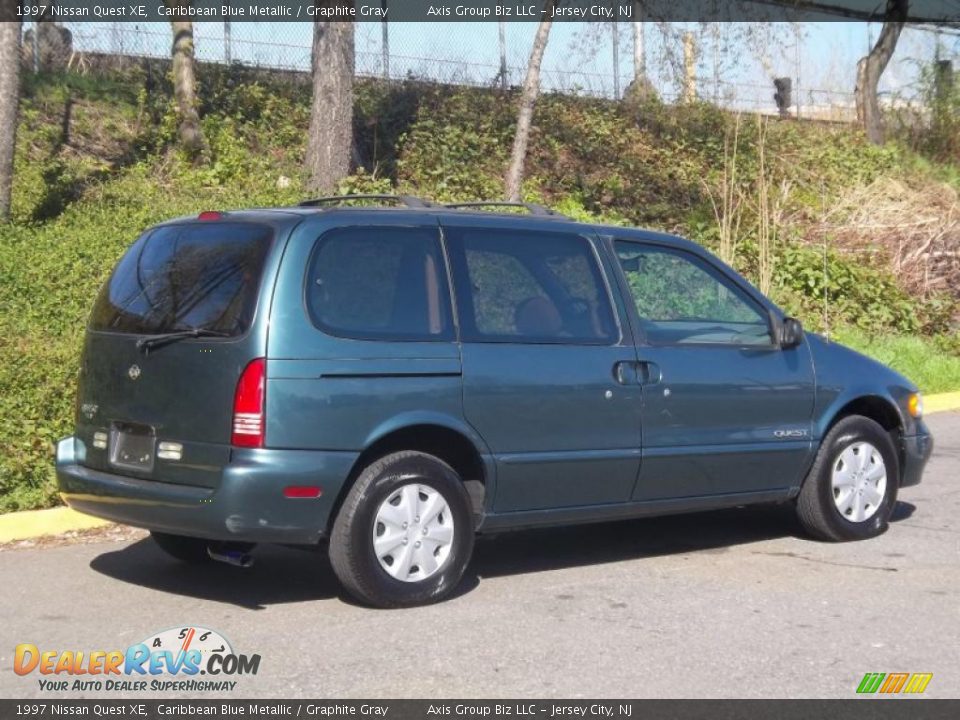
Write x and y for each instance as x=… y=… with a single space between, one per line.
x=577 y=545
x=286 y=575
x=279 y=575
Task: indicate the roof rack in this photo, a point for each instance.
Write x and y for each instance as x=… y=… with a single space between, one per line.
x=406 y=200
x=532 y=208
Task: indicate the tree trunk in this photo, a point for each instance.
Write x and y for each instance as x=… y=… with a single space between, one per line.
x=9 y=104
x=330 y=138
x=871 y=67
x=528 y=99
x=639 y=49
x=689 y=68
x=185 y=82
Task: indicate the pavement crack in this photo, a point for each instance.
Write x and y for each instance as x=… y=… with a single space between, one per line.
x=828 y=562
x=931 y=529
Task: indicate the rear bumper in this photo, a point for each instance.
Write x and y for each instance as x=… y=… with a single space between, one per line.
x=247 y=506
x=916 y=451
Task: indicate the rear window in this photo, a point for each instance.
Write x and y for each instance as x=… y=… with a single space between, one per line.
x=379 y=283
x=180 y=277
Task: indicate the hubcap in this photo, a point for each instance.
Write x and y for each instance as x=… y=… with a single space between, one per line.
x=859 y=481
x=413 y=532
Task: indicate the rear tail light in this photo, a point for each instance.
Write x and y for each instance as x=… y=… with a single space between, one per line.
x=249 y=406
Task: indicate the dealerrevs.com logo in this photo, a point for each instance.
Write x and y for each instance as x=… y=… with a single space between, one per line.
x=183 y=659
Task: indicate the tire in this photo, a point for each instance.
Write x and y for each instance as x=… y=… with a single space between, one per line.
x=185 y=549
x=839 y=497
x=385 y=502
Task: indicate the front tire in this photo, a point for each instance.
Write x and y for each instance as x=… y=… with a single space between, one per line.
x=404 y=534
x=851 y=489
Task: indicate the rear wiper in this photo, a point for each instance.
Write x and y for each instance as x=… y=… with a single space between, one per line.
x=153 y=341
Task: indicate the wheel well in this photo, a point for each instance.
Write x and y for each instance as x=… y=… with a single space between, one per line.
x=881 y=412
x=452 y=447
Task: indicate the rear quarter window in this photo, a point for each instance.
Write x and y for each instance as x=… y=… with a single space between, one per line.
x=179 y=277
x=530 y=287
x=379 y=283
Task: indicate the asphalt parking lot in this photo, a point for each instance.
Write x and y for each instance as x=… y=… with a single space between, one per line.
x=725 y=604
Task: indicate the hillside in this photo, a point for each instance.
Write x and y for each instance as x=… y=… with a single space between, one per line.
x=95 y=166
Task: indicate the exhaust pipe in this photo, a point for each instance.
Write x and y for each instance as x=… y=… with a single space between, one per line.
x=230 y=556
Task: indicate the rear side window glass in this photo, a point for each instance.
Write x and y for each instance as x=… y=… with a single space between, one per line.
x=179 y=277
x=535 y=287
x=379 y=283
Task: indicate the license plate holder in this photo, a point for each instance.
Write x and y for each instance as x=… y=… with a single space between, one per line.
x=132 y=446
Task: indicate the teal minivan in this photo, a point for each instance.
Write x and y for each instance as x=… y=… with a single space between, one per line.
x=394 y=379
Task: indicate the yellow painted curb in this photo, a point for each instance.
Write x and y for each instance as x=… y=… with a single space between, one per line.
x=941 y=402
x=34 y=523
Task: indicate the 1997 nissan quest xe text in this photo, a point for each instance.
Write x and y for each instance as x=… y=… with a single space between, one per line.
x=396 y=379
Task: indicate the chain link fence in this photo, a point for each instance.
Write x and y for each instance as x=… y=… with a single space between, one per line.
x=590 y=59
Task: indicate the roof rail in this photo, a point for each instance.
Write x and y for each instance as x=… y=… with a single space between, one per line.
x=406 y=200
x=532 y=208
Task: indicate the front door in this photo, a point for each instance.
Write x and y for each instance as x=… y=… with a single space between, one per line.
x=541 y=350
x=725 y=409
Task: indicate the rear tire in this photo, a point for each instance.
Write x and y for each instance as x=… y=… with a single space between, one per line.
x=185 y=549
x=851 y=489
x=404 y=534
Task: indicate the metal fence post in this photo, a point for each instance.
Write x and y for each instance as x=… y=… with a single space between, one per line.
x=503 y=54
x=799 y=37
x=716 y=64
x=226 y=42
x=616 y=59
x=385 y=41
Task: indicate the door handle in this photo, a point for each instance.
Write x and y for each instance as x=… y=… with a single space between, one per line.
x=649 y=372
x=625 y=372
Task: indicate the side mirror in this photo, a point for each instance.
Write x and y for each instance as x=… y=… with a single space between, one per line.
x=791 y=333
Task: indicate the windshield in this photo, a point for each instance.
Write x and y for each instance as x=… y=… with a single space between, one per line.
x=181 y=277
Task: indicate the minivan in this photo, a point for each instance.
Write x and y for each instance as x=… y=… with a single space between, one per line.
x=391 y=380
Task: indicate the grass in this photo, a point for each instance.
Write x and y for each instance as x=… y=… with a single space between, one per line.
x=918 y=358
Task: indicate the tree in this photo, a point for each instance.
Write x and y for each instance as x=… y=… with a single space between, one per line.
x=528 y=99
x=330 y=138
x=9 y=101
x=871 y=67
x=184 y=79
x=639 y=46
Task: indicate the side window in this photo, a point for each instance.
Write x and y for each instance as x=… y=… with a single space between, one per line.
x=535 y=287
x=379 y=283
x=682 y=300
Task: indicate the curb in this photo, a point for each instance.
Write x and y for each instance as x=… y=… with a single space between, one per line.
x=28 y=524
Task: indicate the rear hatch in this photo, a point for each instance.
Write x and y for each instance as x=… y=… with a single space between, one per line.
x=154 y=405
